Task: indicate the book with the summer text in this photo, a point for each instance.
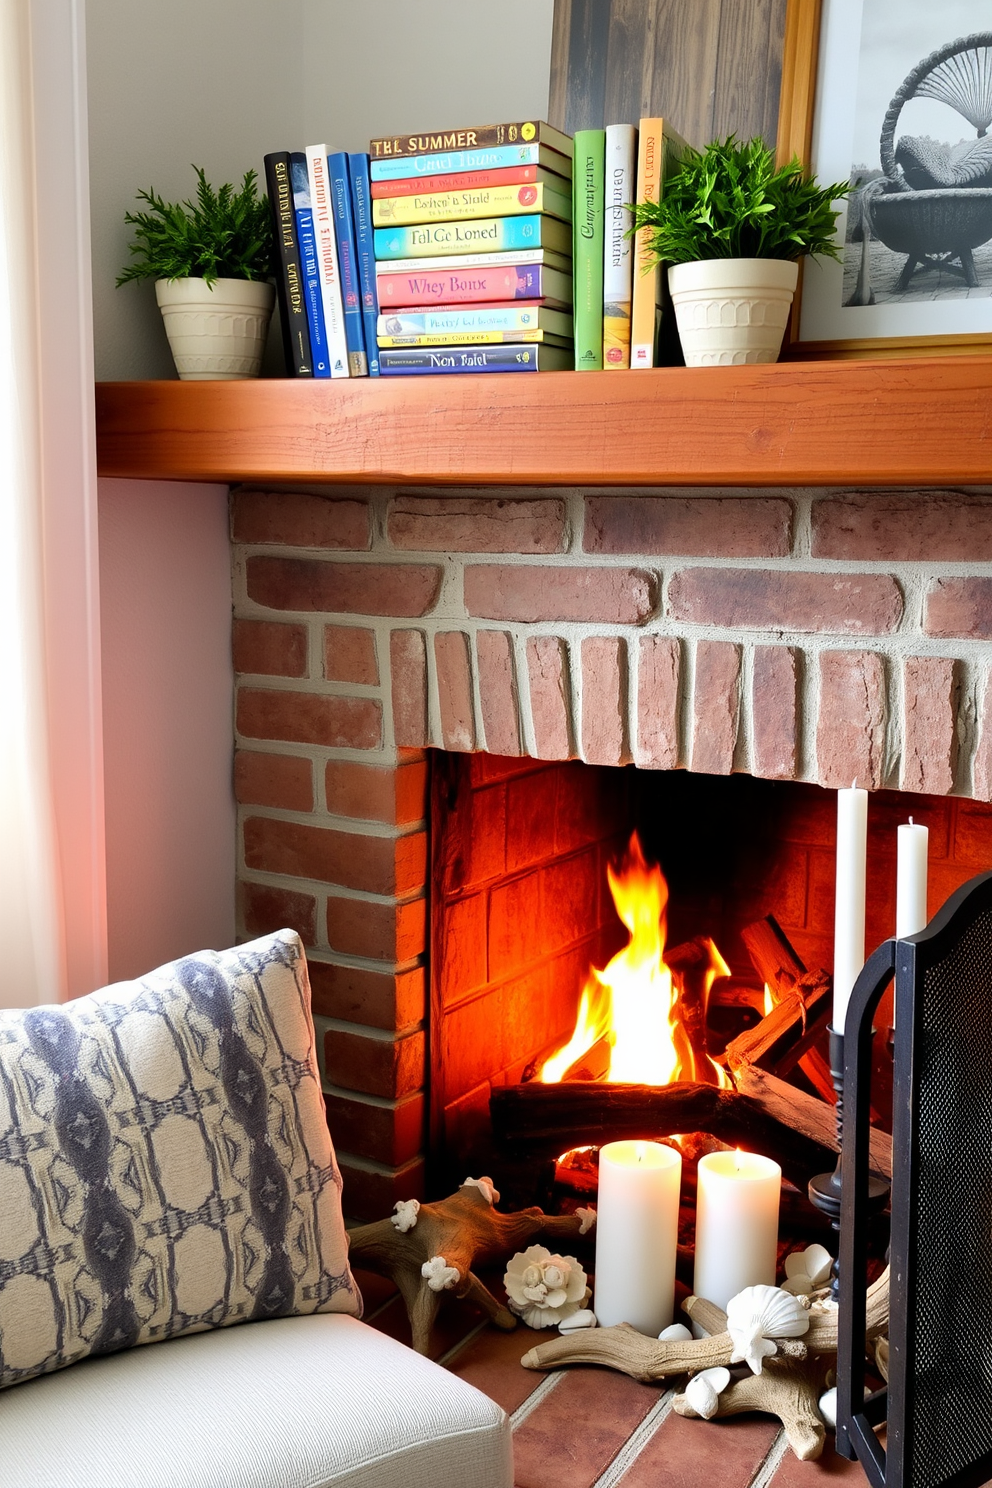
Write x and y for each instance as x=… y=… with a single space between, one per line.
x=476 y=137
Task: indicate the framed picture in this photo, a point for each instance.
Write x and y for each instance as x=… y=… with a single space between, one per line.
x=896 y=97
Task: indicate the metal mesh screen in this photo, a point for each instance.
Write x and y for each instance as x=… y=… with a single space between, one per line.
x=949 y=1425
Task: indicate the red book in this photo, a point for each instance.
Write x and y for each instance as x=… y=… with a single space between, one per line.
x=513 y=175
x=485 y=286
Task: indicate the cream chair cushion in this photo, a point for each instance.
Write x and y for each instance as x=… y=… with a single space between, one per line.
x=292 y=1403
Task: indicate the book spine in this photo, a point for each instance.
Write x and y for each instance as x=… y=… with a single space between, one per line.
x=495 y=234
x=358 y=169
x=518 y=175
x=496 y=318
x=351 y=294
x=621 y=144
x=471 y=359
x=479 y=261
x=645 y=309
x=474 y=338
x=452 y=162
x=483 y=286
x=456 y=206
x=289 y=279
x=587 y=182
x=327 y=260
x=308 y=263
x=479 y=137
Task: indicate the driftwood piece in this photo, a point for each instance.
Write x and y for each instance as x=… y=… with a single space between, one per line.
x=465 y=1231
x=546 y=1120
x=813 y=1117
x=798 y=989
x=789 y=1385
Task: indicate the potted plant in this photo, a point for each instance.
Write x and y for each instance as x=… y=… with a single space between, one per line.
x=732 y=227
x=211 y=262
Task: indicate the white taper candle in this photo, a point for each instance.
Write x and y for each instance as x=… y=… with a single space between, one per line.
x=849 y=912
x=911 y=879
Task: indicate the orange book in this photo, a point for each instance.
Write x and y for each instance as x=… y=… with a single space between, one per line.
x=659 y=149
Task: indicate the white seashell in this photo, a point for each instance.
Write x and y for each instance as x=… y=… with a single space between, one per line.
x=588 y=1218
x=807 y=1269
x=828 y=1408
x=756 y=1316
x=405 y=1217
x=485 y=1186
x=703 y=1391
x=675 y=1333
x=585 y=1318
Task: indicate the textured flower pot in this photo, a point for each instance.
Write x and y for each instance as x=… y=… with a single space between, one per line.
x=732 y=310
x=216 y=331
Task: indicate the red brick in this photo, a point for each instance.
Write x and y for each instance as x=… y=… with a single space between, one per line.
x=349 y=655
x=609 y=1406
x=929 y=724
x=960 y=607
x=903 y=527
x=299 y=520
x=531 y=809
x=982 y=764
x=973 y=835
x=707 y=526
x=279 y=780
x=408 y=667
x=310 y=718
x=390 y=1134
x=770 y=599
x=774 y=712
x=680 y=1452
x=715 y=706
x=383 y=932
x=454 y=687
x=315 y=584
x=375 y=1066
x=269 y=648
x=379 y=999
x=850 y=726
x=377 y=793
x=659 y=664
x=371 y=1192
x=461 y=946
x=460 y=523
x=795 y=1474
x=475 y=836
x=549 y=696
x=264 y=909
x=375 y=865
x=498 y=692
x=616 y=596
x=604 y=699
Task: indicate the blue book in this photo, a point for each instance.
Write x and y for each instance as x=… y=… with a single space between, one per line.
x=308 y=263
x=361 y=198
x=351 y=295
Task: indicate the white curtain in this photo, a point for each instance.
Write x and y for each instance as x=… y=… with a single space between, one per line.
x=32 y=953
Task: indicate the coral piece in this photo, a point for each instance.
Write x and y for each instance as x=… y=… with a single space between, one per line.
x=405 y=1216
x=458 y=1234
x=544 y=1289
x=758 y=1316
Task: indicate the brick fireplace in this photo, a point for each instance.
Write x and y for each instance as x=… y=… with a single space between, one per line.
x=812 y=637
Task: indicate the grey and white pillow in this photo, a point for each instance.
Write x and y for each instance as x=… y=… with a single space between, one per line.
x=165 y=1163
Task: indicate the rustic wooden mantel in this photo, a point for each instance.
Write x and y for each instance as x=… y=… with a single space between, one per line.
x=918 y=421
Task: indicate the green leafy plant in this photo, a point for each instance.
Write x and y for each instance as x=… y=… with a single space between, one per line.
x=730 y=201
x=224 y=234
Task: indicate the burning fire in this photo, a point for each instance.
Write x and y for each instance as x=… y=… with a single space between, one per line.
x=650 y=1017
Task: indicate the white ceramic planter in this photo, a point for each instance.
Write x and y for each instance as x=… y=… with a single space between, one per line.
x=216 y=331
x=732 y=310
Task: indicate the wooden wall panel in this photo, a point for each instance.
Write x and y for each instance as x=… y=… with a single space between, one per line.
x=710 y=66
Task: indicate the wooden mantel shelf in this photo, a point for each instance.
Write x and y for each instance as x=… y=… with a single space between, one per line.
x=917 y=421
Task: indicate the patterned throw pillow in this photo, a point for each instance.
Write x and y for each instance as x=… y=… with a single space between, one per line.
x=165 y=1163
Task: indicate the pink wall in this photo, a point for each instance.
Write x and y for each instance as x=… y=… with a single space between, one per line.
x=167 y=707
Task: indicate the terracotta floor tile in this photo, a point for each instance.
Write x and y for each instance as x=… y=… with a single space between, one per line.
x=830 y=1469
x=704 y=1454
x=491 y=1362
x=575 y=1433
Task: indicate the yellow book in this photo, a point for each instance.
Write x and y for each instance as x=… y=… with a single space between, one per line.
x=475 y=338
x=659 y=150
x=484 y=201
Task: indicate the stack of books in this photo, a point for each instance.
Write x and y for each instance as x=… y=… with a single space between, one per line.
x=618 y=290
x=473 y=250
x=325 y=280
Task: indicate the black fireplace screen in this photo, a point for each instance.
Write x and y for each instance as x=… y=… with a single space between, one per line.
x=937 y=1409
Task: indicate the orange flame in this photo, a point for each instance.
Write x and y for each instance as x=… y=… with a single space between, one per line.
x=633 y=1004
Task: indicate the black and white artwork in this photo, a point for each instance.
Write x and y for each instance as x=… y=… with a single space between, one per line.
x=903 y=111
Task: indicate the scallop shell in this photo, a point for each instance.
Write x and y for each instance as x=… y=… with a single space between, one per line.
x=675 y=1332
x=756 y=1316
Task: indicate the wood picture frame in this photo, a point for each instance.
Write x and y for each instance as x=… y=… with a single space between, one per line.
x=806 y=76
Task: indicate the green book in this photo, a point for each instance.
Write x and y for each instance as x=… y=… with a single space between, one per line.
x=588 y=188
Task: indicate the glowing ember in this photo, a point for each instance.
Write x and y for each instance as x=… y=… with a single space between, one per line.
x=769 y=1005
x=635 y=1005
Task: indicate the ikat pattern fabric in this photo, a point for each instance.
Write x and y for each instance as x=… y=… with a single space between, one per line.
x=165 y=1163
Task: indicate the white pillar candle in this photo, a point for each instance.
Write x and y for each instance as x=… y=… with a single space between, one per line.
x=849 y=911
x=911 y=879
x=637 y=1224
x=737 y=1199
